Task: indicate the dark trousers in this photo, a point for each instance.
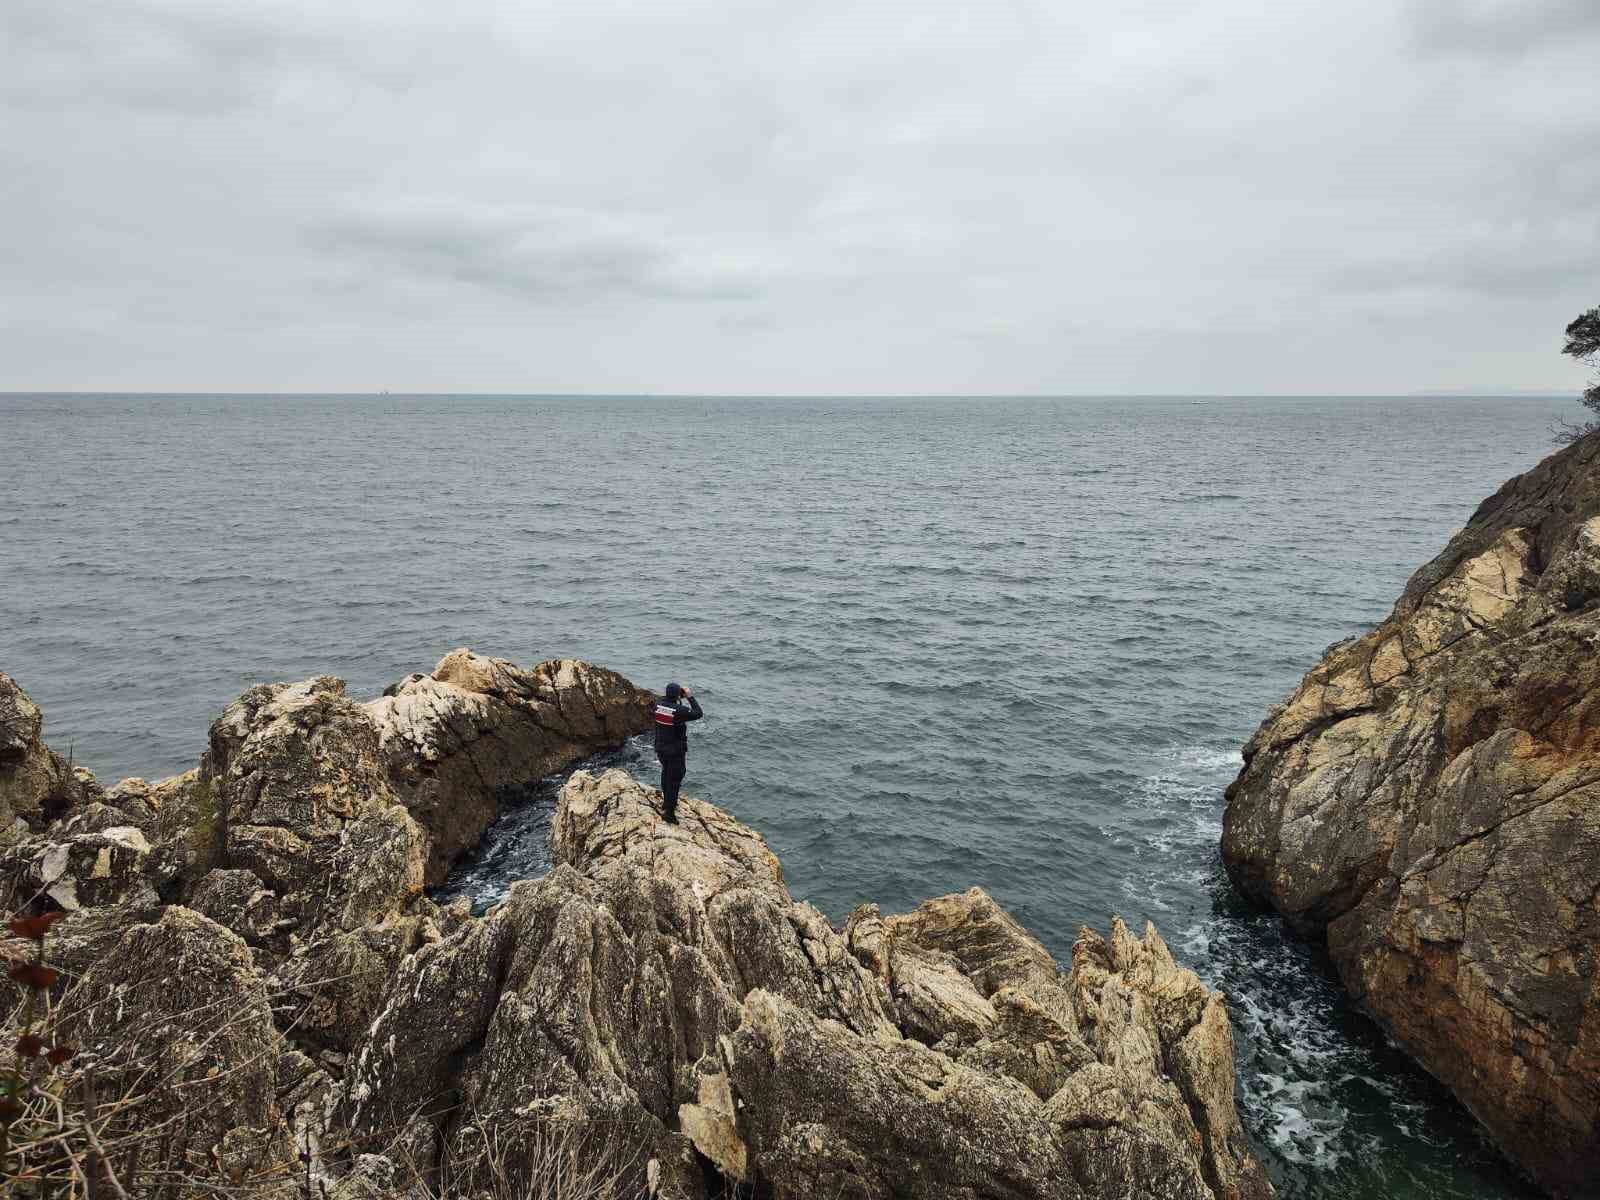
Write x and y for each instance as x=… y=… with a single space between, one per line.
x=672 y=770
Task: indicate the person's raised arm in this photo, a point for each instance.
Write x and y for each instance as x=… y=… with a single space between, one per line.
x=694 y=713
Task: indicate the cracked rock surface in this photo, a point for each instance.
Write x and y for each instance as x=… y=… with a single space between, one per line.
x=452 y=741
x=289 y=863
x=1428 y=800
x=256 y=929
x=661 y=981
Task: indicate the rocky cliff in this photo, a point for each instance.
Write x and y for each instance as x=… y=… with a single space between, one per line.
x=657 y=1013
x=1428 y=800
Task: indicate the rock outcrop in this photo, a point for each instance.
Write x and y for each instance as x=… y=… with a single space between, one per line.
x=662 y=982
x=1428 y=800
x=180 y=1001
x=254 y=935
x=454 y=741
x=294 y=836
x=36 y=784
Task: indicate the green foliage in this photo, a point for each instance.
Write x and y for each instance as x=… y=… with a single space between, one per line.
x=1583 y=344
x=1583 y=337
x=206 y=834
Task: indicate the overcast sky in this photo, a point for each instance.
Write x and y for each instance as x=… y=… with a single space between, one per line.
x=777 y=196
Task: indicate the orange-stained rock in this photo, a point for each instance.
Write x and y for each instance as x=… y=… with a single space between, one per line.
x=1429 y=801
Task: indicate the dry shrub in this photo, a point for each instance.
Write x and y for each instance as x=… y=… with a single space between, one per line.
x=537 y=1154
x=132 y=1120
x=111 y=1120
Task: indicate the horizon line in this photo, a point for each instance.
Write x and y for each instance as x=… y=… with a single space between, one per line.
x=1450 y=394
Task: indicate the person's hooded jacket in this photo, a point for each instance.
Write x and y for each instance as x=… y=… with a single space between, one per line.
x=672 y=716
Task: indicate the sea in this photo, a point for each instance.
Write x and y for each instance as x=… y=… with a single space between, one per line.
x=1014 y=643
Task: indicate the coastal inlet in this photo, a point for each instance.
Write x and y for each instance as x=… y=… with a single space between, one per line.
x=1013 y=643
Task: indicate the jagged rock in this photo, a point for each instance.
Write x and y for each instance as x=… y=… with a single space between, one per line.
x=661 y=982
x=139 y=804
x=339 y=977
x=85 y=937
x=37 y=785
x=292 y=835
x=1428 y=801
x=179 y=1019
x=658 y=1005
x=236 y=900
x=293 y=795
x=454 y=740
x=378 y=1177
x=297 y=772
x=21 y=722
x=1132 y=1051
x=829 y=1113
x=93 y=868
x=1152 y=1021
x=189 y=826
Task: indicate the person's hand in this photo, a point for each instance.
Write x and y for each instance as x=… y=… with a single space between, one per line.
x=686 y=691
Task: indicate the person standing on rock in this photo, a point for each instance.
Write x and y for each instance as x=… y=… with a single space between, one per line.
x=672 y=743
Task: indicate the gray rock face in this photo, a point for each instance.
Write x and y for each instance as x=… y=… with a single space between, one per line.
x=662 y=981
x=181 y=1001
x=1428 y=801
x=312 y=820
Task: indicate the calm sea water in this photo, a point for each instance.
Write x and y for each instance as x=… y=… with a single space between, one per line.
x=1013 y=643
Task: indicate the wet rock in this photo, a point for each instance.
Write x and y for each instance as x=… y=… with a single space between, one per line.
x=1428 y=801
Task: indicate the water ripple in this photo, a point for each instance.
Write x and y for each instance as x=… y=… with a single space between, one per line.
x=940 y=643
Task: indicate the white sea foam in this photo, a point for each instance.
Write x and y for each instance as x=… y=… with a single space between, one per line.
x=1293 y=1057
x=1203 y=758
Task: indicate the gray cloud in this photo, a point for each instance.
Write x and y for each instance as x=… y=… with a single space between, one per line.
x=1486 y=265
x=1497 y=28
x=549 y=255
x=137 y=54
x=905 y=196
